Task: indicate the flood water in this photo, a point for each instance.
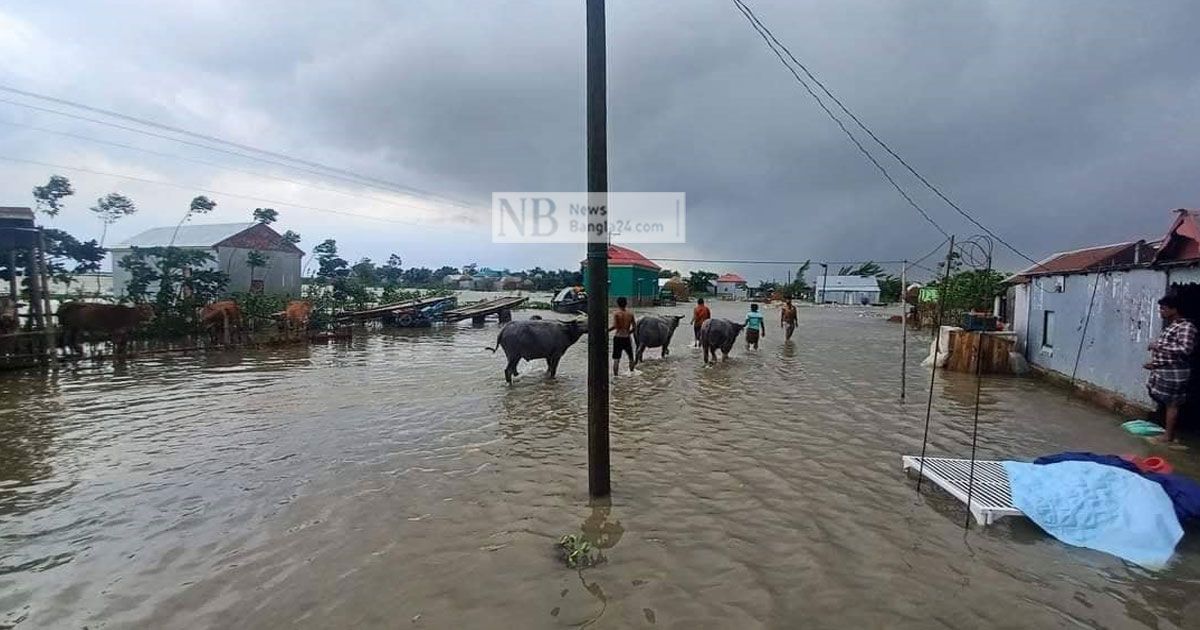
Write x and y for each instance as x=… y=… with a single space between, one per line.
x=395 y=481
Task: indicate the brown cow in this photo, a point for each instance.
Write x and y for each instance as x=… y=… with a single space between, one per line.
x=223 y=316
x=115 y=320
x=295 y=316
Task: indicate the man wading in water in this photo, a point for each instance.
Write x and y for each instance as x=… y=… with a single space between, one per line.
x=1170 y=364
x=787 y=319
x=699 y=314
x=623 y=327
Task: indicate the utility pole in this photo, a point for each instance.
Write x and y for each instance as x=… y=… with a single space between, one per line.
x=903 y=329
x=599 y=484
x=824 y=284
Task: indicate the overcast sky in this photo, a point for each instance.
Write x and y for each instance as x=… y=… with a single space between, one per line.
x=1058 y=124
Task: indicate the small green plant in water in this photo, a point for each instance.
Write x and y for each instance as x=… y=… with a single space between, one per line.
x=577 y=552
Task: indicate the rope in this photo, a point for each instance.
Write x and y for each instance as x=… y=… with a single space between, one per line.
x=937 y=344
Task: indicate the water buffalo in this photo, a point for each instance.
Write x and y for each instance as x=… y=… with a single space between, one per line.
x=115 y=320
x=654 y=331
x=222 y=316
x=718 y=334
x=537 y=339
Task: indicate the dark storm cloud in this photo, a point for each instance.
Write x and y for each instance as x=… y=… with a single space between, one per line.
x=1057 y=124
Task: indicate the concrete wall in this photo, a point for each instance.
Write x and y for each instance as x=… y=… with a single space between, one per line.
x=847 y=297
x=1124 y=320
x=281 y=275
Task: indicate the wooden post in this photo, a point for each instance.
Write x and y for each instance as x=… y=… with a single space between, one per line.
x=824 y=284
x=903 y=329
x=35 y=289
x=599 y=483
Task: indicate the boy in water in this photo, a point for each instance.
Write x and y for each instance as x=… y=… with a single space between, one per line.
x=699 y=314
x=754 y=327
x=787 y=319
x=622 y=335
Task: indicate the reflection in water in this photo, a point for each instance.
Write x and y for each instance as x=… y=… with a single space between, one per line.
x=395 y=476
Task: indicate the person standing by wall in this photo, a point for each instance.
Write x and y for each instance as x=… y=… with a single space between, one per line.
x=1170 y=364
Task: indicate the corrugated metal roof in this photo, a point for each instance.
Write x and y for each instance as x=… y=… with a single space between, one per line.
x=623 y=256
x=1080 y=260
x=203 y=235
x=848 y=283
x=731 y=277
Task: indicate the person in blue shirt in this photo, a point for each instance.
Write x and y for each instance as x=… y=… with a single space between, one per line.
x=755 y=327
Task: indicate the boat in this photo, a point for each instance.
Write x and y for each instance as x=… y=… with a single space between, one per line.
x=569 y=300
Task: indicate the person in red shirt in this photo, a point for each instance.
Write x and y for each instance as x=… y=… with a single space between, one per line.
x=699 y=314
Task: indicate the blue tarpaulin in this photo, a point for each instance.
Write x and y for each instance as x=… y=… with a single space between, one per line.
x=1098 y=506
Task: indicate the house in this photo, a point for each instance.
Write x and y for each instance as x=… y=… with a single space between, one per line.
x=730 y=286
x=847 y=289
x=1088 y=314
x=457 y=281
x=229 y=243
x=630 y=275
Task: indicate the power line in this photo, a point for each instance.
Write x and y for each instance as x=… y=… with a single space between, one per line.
x=357 y=178
x=882 y=170
x=754 y=18
x=207 y=163
x=276 y=202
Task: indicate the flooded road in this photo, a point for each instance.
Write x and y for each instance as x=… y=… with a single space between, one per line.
x=395 y=481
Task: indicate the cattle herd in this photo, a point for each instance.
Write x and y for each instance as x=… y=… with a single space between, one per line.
x=221 y=320
x=537 y=338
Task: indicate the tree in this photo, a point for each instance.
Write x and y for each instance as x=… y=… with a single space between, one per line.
x=110 y=209
x=364 y=271
x=440 y=273
x=199 y=205
x=889 y=289
x=291 y=237
x=865 y=270
x=391 y=272
x=49 y=197
x=184 y=279
x=255 y=260
x=417 y=276
x=971 y=290
x=266 y=216
x=699 y=281
x=667 y=273
x=330 y=265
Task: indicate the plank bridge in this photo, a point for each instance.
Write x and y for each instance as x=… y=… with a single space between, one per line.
x=500 y=307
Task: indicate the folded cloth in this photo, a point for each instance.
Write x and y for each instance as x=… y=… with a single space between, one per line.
x=1183 y=491
x=1143 y=428
x=1098 y=506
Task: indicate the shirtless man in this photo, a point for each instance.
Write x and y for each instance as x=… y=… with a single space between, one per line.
x=787 y=318
x=622 y=328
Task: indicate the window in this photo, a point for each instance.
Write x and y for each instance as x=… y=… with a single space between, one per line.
x=1047 y=329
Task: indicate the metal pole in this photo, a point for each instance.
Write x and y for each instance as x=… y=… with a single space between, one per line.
x=824 y=283
x=599 y=484
x=903 y=329
x=13 y=291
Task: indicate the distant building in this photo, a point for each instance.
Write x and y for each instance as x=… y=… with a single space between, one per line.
x=457 y=281
x=847 y=290
x=730 y=286
x=630 y=275
x=229 y=243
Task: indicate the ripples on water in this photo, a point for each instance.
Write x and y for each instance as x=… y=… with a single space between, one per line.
x=396 y=481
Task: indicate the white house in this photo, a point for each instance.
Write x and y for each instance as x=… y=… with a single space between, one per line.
x=847 y=290
x=229 y=243
x=730 y=286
